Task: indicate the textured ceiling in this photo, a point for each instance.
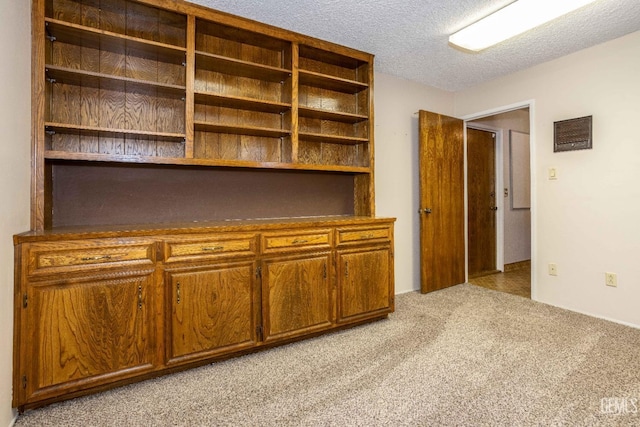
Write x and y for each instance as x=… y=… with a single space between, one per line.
x=410 y=37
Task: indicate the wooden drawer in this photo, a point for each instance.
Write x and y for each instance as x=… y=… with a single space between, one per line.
x=80 y=255
x=306 y=239
x=346 y=236
x=209 y=247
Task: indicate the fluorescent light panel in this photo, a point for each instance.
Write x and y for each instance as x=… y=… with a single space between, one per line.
x=514 y=19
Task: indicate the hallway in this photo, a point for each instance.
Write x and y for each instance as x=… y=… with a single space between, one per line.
x=515 y=280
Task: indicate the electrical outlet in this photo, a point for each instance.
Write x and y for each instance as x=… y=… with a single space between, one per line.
x=611 y=279
x=553 y=269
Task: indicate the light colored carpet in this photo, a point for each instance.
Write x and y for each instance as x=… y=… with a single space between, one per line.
x=463 y=356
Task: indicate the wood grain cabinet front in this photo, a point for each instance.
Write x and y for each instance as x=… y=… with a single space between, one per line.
x=359 y=235
x=213 y=310
x=313 y=239
x=51 y=258
x=365 y=282
x=84 y=332
x=93 y=310
x=209 y=247
x=297 y=295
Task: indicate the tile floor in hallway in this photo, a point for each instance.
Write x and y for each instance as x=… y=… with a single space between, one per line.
x=515 y=281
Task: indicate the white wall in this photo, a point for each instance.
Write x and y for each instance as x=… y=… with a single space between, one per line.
x=587 y=221
x=15 y=116
x=517 y=222
x=396 y=151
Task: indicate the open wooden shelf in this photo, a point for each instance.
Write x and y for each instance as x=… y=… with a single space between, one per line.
x=51 y=127
x=244 y=103
x=237 y=67
x=240 y=42
x=325 y=81
x=336 y=116
x=55 y=74
x=331 y=57
x=240 y=130
x=106 y=40
x=221 y=163
x=331 y=139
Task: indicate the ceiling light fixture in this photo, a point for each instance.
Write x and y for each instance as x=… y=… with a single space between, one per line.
x=511 y=20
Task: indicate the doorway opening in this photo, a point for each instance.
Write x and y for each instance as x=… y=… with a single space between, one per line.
x=498 y=201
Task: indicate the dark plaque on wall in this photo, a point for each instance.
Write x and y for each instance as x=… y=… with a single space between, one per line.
x=572 y=134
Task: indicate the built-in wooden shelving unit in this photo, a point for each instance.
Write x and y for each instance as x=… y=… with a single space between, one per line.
x=142 y=82
x=202 y=188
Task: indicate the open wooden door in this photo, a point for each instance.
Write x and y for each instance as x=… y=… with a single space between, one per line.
x=442 y=239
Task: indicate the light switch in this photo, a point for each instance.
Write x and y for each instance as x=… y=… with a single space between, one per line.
x=553 y=174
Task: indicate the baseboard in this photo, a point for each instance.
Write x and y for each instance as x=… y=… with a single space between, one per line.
x=597 y=316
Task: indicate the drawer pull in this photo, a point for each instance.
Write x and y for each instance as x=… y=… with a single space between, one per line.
x=213 y=248
x=366 y=236
x=96 y=258
x=299 y=241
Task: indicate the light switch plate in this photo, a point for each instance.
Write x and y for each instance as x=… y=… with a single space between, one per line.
x=553 y=173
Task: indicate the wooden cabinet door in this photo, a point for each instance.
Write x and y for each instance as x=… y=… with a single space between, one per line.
x=297 y=295
x=213 y=310
x=364 y=283
x=85 y=332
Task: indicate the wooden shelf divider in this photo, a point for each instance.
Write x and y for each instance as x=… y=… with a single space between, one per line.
x=332 y=139
x=325 y=81
x=244 y=103
x=55 y=74
x=240 y=129
x=336 y=116
x=237 y=67
x=112 y=132
x=94 y=38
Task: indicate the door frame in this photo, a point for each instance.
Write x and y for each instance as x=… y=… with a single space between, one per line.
x=499 y=186
x=532 y=151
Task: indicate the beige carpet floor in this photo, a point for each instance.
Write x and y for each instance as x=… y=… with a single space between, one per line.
x=463 y=356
